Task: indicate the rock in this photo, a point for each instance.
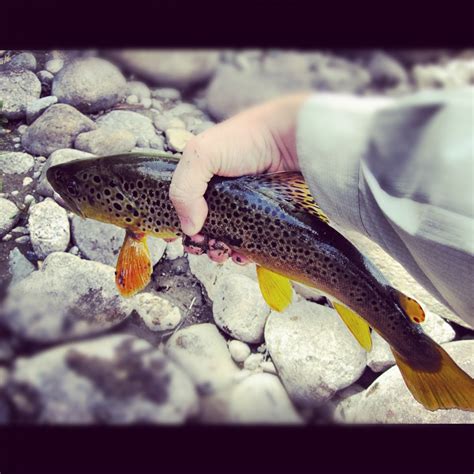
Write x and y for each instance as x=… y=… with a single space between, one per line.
x=113 y=380
x=49 y=228
x=233 y=90
x=179 y=69
x=456 y=73
x=102 y=242
x=174 y=249
x=23 y=61
x=239 y=308
x=20 y=267
x=177 y=138
x=105 y=141
x=89 y=84
x=18 y=88
x=157 y=143
x=253 y=361
x=139 y=125
x=202 y=352
x=27 y=181
x=15 y=162
x=68 y=297
x=269 y=367
x=239 y=350
x=386 y=71
x=146 y=102
x=37 y=107
x=388 y=400
x=381 y=358
x=45 y=77
x=132 y=100
x=56 y=128
x=54 y=65
x=166 y=93
x=261 y=399
x=9 y=215
x=157 y=313
x=138 y=89
x=57 y=157
x=201 y=127
x=314 y=352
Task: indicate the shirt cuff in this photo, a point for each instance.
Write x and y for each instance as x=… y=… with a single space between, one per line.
x=332 y=137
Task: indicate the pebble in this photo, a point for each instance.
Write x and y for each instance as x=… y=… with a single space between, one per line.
x=37 y=107
x=45 y=77
x=174 y=249
x=157 y=313
x=239 y=308
x=54 y=65
x=269 y=367
x=23 y=61
x=90 y=84
x=139 y=89
x=67 y=297
x=105 y=141
x=117 y=379
x=19 y=266
x=14 y=162
x=386 y=71
x=455 y=73
x=27 y=181
x=29 y=199
x=24 y=239
x=146 y=102
x=132 y=100
x=177 y=138
x=388 y=400
x=239 y=350
x=313 y=351
x=7 y=237
x=56 y=128
x=202 y=352
x=18 y=88
x=102 y=242
x=253 y=361
x=9 y=215
x=166 y=93
x=157 y=143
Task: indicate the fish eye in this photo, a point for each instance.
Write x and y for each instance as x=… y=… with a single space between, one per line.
x=72 y=187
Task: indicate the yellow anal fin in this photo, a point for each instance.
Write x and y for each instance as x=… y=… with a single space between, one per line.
x=276 y=289
x=133 y=271
x=411 y=307
x=356 y=325
x=165 y=234
x=448 y=387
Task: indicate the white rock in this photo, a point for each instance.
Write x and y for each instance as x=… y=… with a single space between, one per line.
x=239 y=350
x=117 y=379
x=49 y=228
x=157 y=313
x=176 y=122
x=132 y=99
x=166 y=93
x=314 y=352
x=27 y=181
x=138 y=89
x=174 y=249
x=15 y=162
x=239 y=308
x=177 y=138
x=381 y=358
x=146 y=102
x=253 y=361
x=37 y=107
x=18 y=88
x=202 y=352
x=54 y=65
x=24 y=239
x=9 y=214
x=388 y=400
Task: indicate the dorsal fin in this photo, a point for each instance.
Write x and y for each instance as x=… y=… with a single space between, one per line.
x=289 y=186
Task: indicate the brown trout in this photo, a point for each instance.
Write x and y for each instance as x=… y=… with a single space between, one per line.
x=274 y=221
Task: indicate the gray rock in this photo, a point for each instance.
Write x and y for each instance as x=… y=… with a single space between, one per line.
x=90 y=85
x=239 y=350
x=113 y=380
x=233 y=90
x=18 y=88
x=15 y=162
x=105 y=141
x=202 y=352
x=36 y=108
x=68 y=297
x=169 y=68
x=388 y=400
x=386 y=71
x=314 y=352
x=45 y=77
x=239 y=308
x=102 y=242
x=23 y=61
x=20 y=267
x=157 y=313
x=138 y=89
x=54 y=65
x=49 y=228
x=56 y=128
x=9 y=215
x=177 y=138
x=381 y=358
x=139 y=125
x=57 y=157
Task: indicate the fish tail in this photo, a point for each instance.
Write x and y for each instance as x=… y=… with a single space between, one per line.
x=448 y=386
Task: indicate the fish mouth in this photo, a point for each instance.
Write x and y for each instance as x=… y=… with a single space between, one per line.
x=68 y=204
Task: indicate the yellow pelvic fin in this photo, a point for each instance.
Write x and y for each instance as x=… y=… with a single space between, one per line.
x=447 y=387
x=165 y=234
x=411 y=307
x=356 y=325
x=133 y=271
x=276 y=289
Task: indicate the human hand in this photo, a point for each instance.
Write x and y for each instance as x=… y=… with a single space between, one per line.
x=261 y=139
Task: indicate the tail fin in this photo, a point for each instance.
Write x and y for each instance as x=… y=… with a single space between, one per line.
x=448 y=387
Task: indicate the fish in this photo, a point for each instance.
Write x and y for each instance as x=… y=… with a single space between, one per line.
x=274 y=221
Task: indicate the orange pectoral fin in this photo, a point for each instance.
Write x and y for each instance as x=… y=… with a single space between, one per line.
x=133 y=271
